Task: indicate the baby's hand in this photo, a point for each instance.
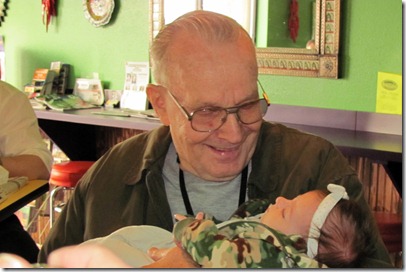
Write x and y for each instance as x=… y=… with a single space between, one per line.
x=180 y=217
x=199 y=215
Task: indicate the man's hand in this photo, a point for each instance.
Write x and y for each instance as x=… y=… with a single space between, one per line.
x=170 y=258
x=174 y=257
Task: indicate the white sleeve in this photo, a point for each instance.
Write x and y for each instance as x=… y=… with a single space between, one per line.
x=19 y=130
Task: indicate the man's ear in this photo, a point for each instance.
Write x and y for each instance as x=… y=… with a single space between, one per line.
x=156 y=96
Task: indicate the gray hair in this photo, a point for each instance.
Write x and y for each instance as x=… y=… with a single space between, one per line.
x=209 y=26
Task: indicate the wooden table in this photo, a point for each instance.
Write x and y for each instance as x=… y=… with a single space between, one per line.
x=29 y=192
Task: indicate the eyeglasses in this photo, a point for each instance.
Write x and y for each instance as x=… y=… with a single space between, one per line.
x=209 y=119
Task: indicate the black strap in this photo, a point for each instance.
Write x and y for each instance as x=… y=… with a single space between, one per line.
x=243 y=186
x=185 y=196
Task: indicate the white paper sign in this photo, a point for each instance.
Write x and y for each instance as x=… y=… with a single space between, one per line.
x=136 y=79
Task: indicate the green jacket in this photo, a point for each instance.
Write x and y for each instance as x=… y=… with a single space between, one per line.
x=125 y=186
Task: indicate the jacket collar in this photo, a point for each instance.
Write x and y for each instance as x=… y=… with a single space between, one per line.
x=151 y=152
x=265 y=161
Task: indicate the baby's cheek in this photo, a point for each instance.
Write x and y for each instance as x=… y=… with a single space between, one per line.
x=301 y=228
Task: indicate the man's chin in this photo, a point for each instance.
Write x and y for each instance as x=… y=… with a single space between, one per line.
x=221 y=175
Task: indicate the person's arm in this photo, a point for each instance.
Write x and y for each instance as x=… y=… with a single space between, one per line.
x=84 y=256
x=30 y=166
x=23 y=151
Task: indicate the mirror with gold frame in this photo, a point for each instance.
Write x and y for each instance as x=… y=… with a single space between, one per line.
x=318 y=58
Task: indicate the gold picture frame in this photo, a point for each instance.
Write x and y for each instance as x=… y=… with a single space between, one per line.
x=322 y=60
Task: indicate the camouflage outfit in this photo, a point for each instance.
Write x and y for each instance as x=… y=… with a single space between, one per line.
x=242 y=243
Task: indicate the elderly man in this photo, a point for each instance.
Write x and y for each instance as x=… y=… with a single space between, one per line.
x=213 y=152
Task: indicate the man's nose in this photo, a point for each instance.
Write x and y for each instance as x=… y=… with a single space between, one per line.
x=231 y=130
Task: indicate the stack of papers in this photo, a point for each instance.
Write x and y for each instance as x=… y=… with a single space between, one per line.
x=12 y=185
x=64 y=102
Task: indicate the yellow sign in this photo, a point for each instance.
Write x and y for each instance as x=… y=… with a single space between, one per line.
x=389 y=93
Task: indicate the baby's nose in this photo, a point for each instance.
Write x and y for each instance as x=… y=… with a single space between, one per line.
x=281 y=202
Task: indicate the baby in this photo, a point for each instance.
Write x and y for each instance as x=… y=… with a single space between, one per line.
x=315 y=229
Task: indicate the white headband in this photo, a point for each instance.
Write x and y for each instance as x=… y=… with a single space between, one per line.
x=327 y=204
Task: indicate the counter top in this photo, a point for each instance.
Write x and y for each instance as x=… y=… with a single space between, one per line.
x=377 y=146
x=87 y=117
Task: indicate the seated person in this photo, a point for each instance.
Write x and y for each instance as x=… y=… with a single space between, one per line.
x=276 y=238
x=22 y=153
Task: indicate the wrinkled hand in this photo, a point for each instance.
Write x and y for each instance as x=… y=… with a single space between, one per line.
x=174 y=257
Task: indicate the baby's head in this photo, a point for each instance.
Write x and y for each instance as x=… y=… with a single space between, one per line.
x=338 y=227
x=293 y=216
x=345 y=236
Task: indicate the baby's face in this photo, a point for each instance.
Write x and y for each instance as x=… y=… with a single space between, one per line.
x=292 y=216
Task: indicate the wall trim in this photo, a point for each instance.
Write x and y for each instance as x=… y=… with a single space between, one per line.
x=350 y=120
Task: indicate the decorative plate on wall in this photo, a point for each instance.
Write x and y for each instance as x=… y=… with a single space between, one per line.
x=98 y=12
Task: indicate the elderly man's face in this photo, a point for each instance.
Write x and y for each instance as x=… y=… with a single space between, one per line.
x=215 y=75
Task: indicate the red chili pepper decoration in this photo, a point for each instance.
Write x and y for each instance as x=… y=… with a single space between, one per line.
x=294 y=20
x=48 y=10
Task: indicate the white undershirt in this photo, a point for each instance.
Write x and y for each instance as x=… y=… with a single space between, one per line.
x=219 y=199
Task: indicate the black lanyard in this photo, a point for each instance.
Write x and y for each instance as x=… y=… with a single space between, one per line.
x=185 y=196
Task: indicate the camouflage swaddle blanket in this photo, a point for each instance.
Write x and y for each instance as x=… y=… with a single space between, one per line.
x=241 y=243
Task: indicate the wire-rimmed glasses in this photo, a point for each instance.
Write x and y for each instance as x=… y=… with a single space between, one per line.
x=209 y=119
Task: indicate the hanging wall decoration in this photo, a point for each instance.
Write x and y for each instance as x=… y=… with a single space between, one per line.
x=3 y=7
x=48 y=10
x=98 y=12
x=294 y=20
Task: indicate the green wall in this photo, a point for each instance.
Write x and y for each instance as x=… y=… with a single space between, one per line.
x=273 y=30
x=72 y=39
x=371 y=36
